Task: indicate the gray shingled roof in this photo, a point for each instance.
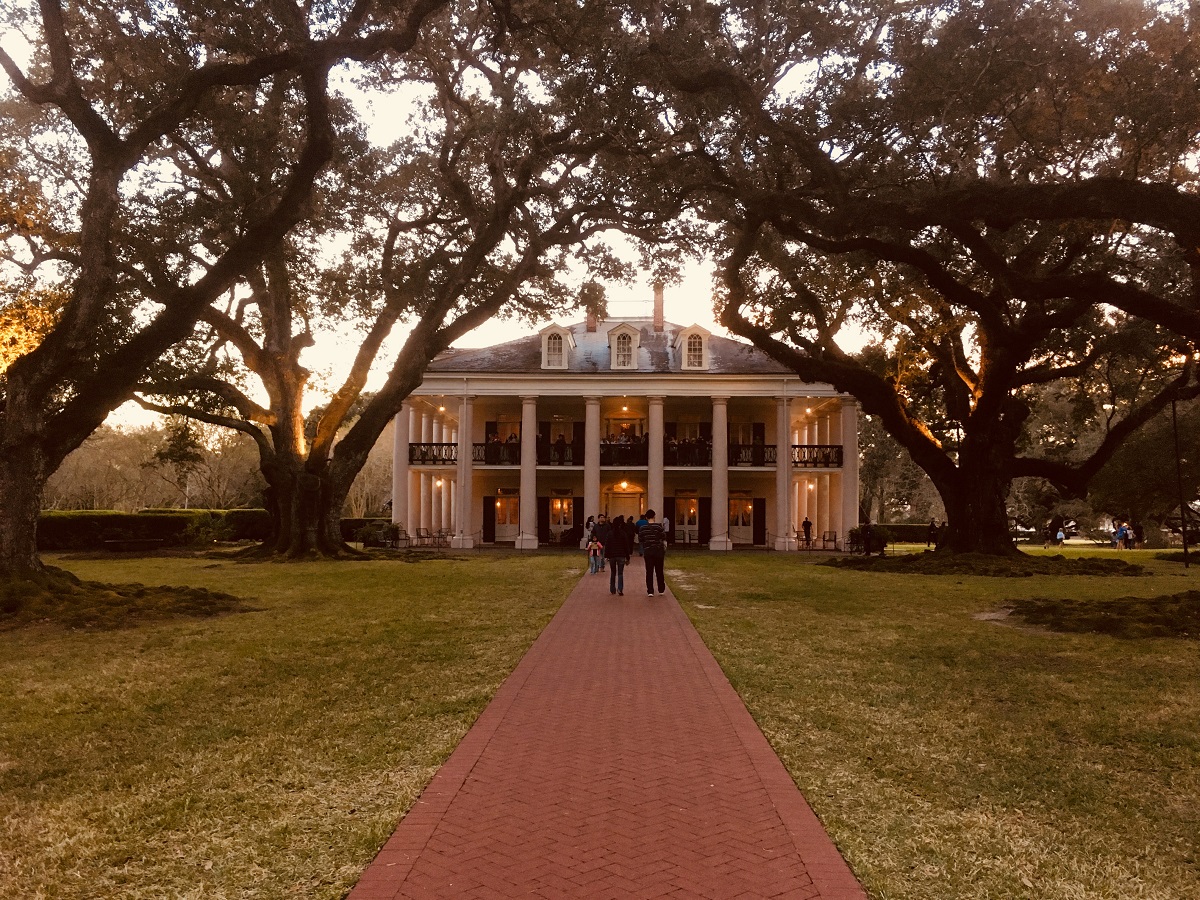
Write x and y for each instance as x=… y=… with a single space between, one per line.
x=591 y=353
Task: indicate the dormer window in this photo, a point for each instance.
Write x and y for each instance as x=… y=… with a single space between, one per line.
x=556 y=347
x=623 y=343
x=624 y=355
x=691 y=345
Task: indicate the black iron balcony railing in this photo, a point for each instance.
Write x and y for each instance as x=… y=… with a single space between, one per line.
x=508 y=453
x=816 y=456
x=752 y=454
x=687 y=453
x=433 y=454
x=497 y=453
x=624 y=454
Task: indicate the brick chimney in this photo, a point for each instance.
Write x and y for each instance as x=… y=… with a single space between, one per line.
x=592 y=321
x=658 y=307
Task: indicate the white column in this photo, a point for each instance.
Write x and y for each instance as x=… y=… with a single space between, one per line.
x=400 y=466
x=785 y=528
x=654 y=480
x=413 y=510
x=591 y=459
x=426 y=501
x=527 y=539
x=835 y=507
x=426 y=427
x=445 y=522
x=464 y=505
x=720 y=476
x=435 y=437
x=849 y=499
x=822 y=517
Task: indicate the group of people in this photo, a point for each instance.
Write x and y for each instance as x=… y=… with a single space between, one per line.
x=611 y=544
x=1128 y=535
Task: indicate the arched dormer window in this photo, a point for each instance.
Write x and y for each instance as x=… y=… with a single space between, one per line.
x=691 y=348
x=623 y=344
x=556 y=347
x=624 y=347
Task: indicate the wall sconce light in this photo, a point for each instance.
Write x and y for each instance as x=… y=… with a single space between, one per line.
x=624 y=485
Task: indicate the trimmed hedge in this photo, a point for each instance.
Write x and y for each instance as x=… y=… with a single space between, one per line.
x=90 y=529
x=351 y=527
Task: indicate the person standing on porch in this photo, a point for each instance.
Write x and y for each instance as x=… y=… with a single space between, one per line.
x=806 y=527
x=654 y=549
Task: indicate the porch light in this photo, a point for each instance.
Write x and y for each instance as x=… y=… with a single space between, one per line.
x=624 y=409
x=812 y=487
x=624 y=485
x=438 y=482
x=808 y=409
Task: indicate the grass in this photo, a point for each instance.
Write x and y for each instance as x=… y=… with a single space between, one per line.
x=266 y=753
x=953 y=757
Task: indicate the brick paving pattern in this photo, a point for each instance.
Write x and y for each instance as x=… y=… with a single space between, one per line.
x=615 y=762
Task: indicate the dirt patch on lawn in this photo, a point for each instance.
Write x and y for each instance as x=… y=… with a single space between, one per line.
x=59 y=598
x=933 y=563
x=1170 y=615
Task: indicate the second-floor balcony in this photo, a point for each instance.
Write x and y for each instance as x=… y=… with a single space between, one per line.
x=681 y=454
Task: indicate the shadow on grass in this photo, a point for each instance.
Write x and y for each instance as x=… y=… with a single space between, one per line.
x=937 y=563
x=59 y=598
x=1170 y=615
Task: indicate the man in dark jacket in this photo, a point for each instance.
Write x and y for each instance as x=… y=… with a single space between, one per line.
x=654 y=549
x=602 y=532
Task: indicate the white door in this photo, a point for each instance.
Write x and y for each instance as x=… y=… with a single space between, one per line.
x=741 y=520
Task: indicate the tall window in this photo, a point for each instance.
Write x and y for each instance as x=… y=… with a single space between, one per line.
x=554 y=350
x=624 y=351
x=695 y=351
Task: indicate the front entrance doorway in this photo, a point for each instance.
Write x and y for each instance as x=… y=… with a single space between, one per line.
x=625 y=503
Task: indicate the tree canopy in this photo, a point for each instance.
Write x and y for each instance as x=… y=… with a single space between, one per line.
x=993 y=191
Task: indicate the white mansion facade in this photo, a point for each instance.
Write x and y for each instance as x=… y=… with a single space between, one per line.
x=520 y=442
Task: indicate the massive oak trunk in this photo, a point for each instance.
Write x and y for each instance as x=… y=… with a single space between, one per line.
x=23 y=474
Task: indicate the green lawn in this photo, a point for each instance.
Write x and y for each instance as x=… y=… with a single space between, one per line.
x=951 y=757
x=269 y=753
x=260 y=754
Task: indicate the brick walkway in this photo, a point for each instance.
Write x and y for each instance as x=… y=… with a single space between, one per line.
x=615 y=762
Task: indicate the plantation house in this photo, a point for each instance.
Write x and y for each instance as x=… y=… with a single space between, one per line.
x=518 y=443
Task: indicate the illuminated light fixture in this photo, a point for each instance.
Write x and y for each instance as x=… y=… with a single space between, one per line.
x=438 y=482
x=624 y=409
x=812 y=487
x=624 y=485
x=441 y=409
x=497 y=504
x=808 y=409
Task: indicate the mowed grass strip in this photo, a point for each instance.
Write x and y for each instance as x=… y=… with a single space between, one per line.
x=951 y=757
x=258 y=754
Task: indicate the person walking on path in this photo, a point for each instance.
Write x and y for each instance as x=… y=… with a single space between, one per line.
x=617 y=551
x=637 y=530
x=602 y=532
x=654 y=549
x=595 y=551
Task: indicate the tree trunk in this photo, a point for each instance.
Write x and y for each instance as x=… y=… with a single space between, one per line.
x=23 y=474
x=307 y=517
x=976 y=499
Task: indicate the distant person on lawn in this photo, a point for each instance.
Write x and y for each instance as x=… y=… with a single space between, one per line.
x=654 y=549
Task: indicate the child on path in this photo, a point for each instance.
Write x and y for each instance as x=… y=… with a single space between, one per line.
x=595 y=551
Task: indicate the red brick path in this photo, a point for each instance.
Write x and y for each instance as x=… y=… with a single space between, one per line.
x=615 y=762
